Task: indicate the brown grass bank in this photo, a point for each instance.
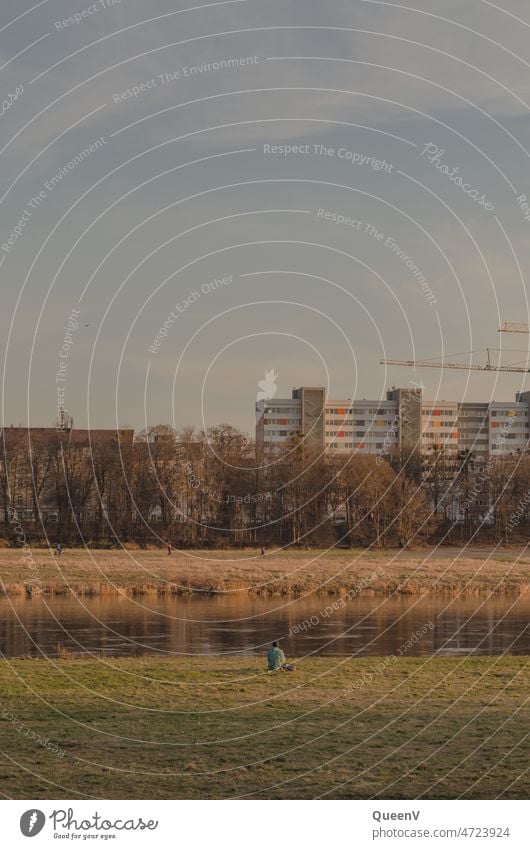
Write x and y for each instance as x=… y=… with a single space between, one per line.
x=277 y=573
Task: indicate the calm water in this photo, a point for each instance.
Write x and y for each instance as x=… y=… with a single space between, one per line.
x=223 y=625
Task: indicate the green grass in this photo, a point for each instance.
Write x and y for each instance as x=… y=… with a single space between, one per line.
x=221 y=728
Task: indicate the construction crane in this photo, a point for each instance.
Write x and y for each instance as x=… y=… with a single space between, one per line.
x=513 y=327
x=487 y=366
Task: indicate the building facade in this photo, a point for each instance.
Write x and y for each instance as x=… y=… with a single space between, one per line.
x=404 y=418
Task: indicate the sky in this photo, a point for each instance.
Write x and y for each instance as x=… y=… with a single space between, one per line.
x=193 y=195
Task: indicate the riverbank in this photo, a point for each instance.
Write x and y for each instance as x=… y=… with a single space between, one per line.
x=286 y=573
x=212 y=728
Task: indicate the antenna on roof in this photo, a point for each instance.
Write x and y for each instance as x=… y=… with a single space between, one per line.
x=64 y=421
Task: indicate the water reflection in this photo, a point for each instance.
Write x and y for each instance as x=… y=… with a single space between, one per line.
x=367 y=625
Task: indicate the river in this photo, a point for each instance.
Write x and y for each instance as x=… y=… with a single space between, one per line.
x=239 y=624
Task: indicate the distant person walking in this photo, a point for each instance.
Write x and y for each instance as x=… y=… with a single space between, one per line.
x=169 y=549
x=263 y=552
x=58 y=549
x=276 y=659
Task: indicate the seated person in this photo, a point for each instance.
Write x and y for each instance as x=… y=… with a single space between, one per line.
x=276 y=659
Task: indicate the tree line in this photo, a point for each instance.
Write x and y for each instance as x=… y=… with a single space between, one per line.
x=213 y=489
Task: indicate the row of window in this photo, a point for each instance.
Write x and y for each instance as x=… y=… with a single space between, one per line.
x=345 y=433
x=470 y=439
x=431 y=435
x=283 y=410
x=465 y=439
x=440 y=424
x=361 y=422
x=378 y=411
x=343 y=445
x=352 y=411
x=464 y=431
x=281 y=421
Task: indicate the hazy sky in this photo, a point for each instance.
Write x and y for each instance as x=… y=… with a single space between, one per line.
x=154 y=137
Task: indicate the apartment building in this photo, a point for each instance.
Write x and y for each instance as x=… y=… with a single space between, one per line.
x=403 y=418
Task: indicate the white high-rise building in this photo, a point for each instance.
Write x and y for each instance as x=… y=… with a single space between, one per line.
x=403 y=418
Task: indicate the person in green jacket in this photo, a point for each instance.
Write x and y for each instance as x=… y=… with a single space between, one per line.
x=276 y=659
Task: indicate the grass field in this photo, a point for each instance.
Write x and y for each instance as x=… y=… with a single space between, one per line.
x=211 y=728
x=284 y=573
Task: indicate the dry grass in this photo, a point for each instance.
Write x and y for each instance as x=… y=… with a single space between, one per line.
x=292 y=573
x=65 y=653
